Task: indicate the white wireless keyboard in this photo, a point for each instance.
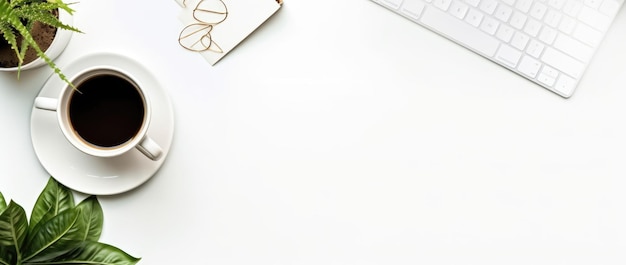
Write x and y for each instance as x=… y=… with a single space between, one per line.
x=550 y=42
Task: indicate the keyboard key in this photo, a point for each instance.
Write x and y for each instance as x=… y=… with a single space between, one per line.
x=473 y=3
x=442 y=4
x=503 y=13
x=524 y=5
x=595 y=4
x=572 y=8
x=567 y=25
x=518 y=20
x=549 y=71
x=609 y=7
x=529 y=66
x=508 y=55
x=458 y=9
x=538 y=10
x=393 y=4
x=488 y=6
x=505 y=33
x=587 y=35
x=474 y=17
x=460 y=31
x=520 y=40
x=546 y=79
x=532 y=27
x=547 y=35
x=566 y=63
x=413 y=8
x=553 y=18
x=573 y=47
x=489 y=25
x=557 y=4
x=535 y=48
x=594 y=19
x=565 y=85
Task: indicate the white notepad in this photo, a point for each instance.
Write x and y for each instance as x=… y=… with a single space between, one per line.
x=215 y=27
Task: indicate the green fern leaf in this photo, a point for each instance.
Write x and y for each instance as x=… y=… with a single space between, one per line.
x=10 y=37
x=12 y=15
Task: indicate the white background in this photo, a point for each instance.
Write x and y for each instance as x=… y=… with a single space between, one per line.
x=340 y=133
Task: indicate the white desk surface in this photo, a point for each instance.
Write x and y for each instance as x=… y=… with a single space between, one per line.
x=340 y=133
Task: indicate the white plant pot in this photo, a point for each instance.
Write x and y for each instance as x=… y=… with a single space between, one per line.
x=61 y=39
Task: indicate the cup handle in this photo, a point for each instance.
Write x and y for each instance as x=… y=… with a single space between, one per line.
x=46 y=103
x=150 y=148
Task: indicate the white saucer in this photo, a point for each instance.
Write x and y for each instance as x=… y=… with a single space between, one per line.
x=92 y=175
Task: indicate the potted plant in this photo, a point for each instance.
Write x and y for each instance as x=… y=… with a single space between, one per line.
x=31 y=35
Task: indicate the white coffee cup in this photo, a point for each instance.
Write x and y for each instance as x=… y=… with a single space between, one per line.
x=107 y=115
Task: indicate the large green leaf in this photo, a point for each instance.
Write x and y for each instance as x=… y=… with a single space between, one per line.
x=13 y=227
x=92 y=218
x=96 y=253
x=54 y=237
x=3 y=203
x=54 y=199
x=7 y=254
x=62 y=233
x=6 y=257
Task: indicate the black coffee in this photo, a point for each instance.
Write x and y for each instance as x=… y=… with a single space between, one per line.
x=107 y=112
